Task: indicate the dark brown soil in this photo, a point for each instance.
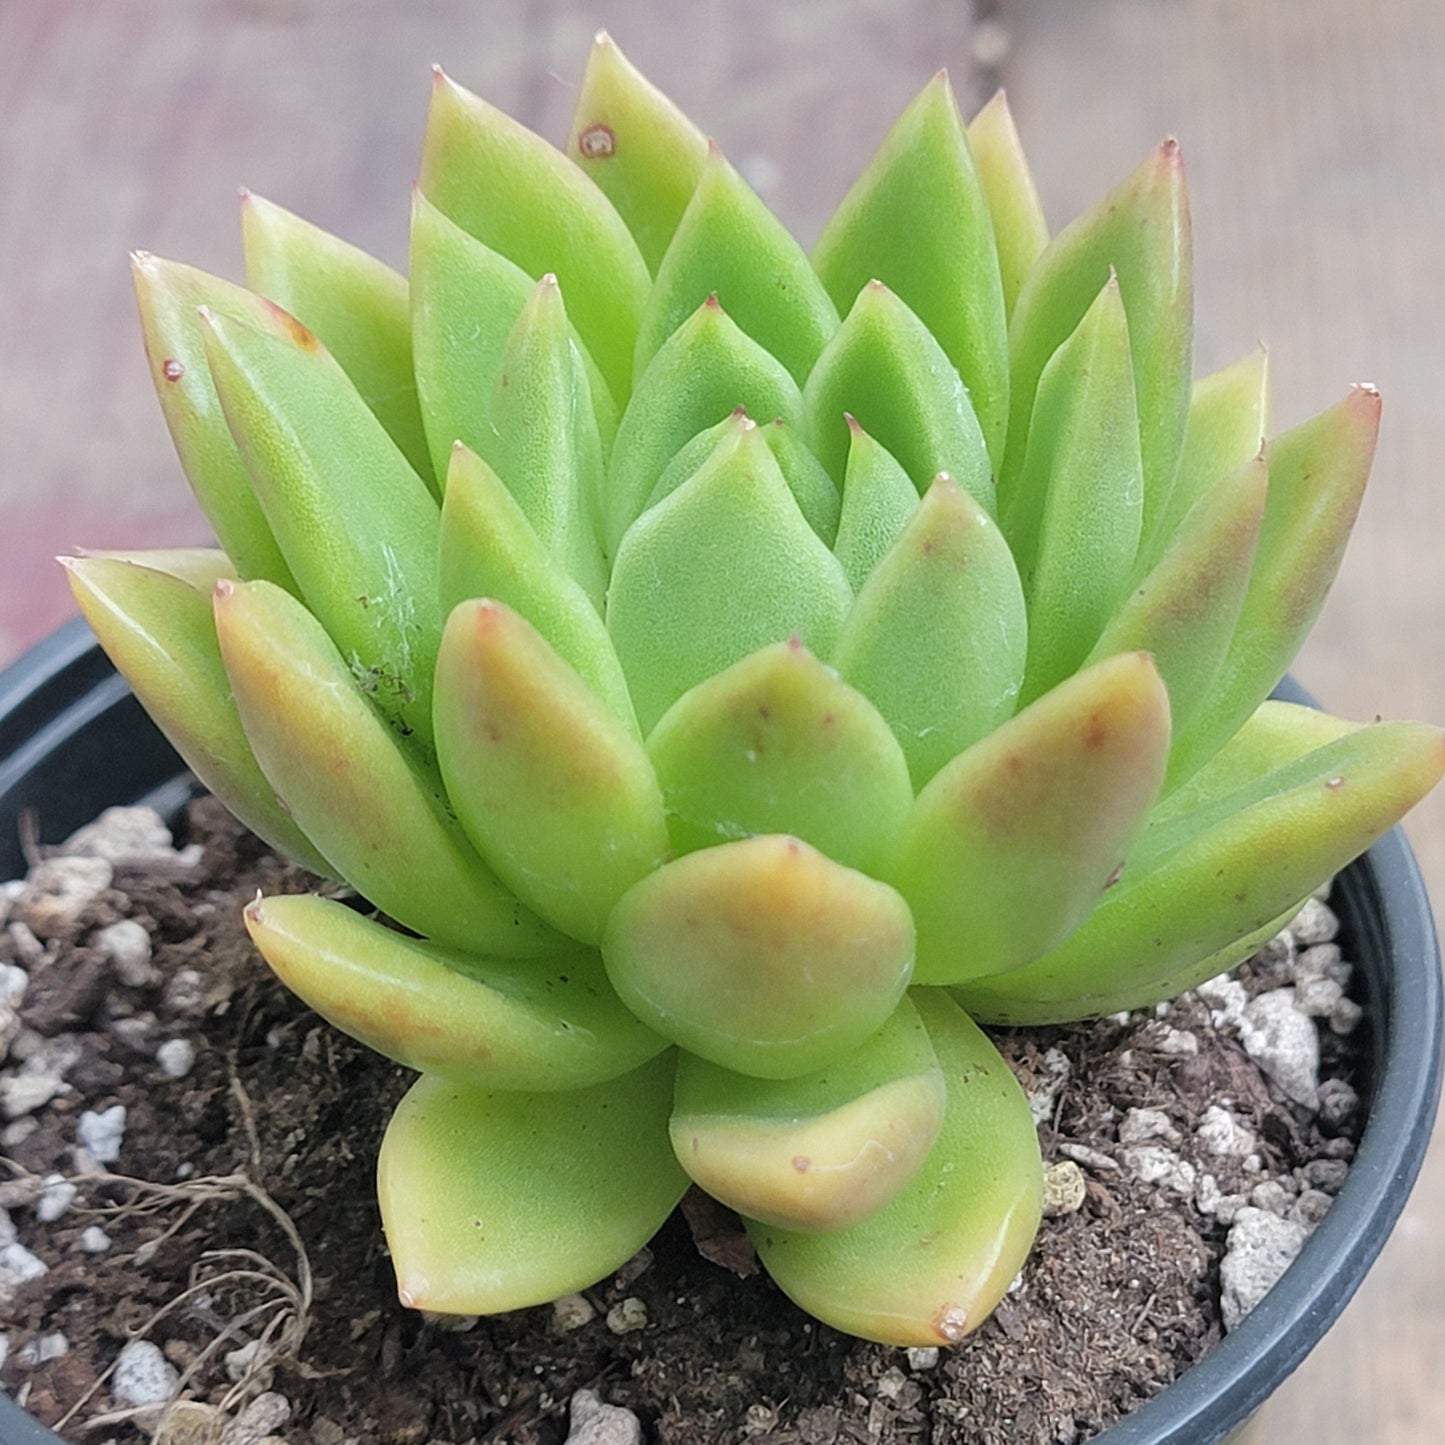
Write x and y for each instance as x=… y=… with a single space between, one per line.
x=1118 y=1297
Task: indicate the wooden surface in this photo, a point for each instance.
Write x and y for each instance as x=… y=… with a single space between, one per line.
x=1316 y=152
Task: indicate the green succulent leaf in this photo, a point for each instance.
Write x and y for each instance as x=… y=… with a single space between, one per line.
x=157 y=627
x=916 y=642
x=465 y=301
x=1317 y=476
x=884 y=369
x=928 y=1268
x=676 y=611
x=1075 y=517
x=495 y=1200
x=644 y=154
x=1184 y=612
x=777 y=743
x=811 y=486
x=705 y=371
x=1009 y=848
x=1141 y=230
x=878 y=499
x=488 y=549
x=356 y=305
x=729 y=245
x=200 y=568
x=554 y=219
x=169 y=295
x=542 y=440
x=813 y=489
x=818 y=1152
x=554 y=792
x=763 y=956
x=539 y=1024
x=340 y=772
x=917 y=219
x=1020 y=231
x=1202 y=887
x=1277 y=734
x=356 y=524
x=1228 y=421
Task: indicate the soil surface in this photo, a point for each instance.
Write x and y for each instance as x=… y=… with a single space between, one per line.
x=237 y=1227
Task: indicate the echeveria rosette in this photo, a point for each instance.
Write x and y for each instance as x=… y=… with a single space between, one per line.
x=625 y=604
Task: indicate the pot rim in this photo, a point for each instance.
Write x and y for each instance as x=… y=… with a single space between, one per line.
x=65 y=685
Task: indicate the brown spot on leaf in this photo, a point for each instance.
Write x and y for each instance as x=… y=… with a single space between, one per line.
x=303 y=336
x=172 y=369
x=597 y=142
x=802 y=1163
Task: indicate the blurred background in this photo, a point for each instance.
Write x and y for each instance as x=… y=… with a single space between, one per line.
x=1313 y=136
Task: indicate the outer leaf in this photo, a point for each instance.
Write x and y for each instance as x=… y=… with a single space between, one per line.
x=777 y=744
x=936 y=638
x=1234 y=870
x=169 y=295
x=354 y=303
x=465 y=300
x=884 y=369
x=554 y=792
x=1009 y=847
x=357 y=525
x=515 y=193
x=762 y=955
x=820 y=1152
x=544 y=1024
x=642 y=151
x=1075 y=517
x=918 y=220
x=1020 y=231
x=1228 y=420
x=1141 y=229
x=729 y=245
x=928 y=1268
x=675 y=610
x=341 y=774
x=1184 y=612
x=199 y=567
x=493 y=1201
x=878 y=500
x=1277 y=734
x=542 y=439
x=707 y=370
x=1317 y=476
x=157 y=628
x=488 y=549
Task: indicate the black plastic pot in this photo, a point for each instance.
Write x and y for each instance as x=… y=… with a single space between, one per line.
x=74 y=741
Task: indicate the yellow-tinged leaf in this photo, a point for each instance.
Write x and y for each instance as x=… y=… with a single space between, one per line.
x=542 y=1024
x=553 y=791
x=341 y=773
x=494 y=1201
x=818 y=1152
x=762 y=955
x=928 y=1268
x=1008 y=849
x=156 y=625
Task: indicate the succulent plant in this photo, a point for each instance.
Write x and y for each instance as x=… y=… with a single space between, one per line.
x=733 y=674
